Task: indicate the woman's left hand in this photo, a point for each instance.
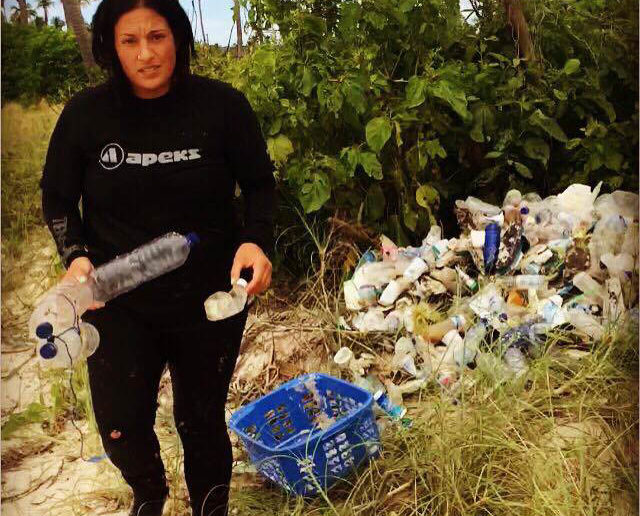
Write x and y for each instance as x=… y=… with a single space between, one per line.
x=250 y=256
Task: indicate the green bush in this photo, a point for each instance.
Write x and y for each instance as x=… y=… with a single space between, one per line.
x=39 y=63
x=388 y=111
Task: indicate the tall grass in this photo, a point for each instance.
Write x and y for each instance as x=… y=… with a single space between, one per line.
x=25 y=137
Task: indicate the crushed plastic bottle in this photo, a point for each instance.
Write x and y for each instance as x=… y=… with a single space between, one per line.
x=222 y=305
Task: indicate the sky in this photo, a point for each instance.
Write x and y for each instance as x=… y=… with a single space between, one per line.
x=217 y=15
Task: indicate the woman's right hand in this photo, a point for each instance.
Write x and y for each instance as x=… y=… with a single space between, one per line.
x=79 y=270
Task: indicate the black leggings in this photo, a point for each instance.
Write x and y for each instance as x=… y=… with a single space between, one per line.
x=124 y=375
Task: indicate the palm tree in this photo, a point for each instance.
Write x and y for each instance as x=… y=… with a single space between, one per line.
x=23 y=8
x=20 y=13
x=58 y=22
x=44 y=5
x=75 y=22
x=236 y=13
x=204 y=36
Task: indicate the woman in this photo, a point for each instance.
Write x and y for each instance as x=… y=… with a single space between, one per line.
x=153 y=150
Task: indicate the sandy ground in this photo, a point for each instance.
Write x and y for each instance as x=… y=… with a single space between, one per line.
x=42 y=471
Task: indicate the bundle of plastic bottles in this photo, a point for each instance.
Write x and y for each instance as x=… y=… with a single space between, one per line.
x=514 y=274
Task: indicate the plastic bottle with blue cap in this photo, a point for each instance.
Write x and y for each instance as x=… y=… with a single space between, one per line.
x=62 y=337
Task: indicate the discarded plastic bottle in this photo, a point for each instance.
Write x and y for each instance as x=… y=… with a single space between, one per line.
x=435 y=332
x=523 y=281
x=470 y=283
x=394 y=411
x=126 y=272
x=591 y=288
x=491 y=246
x=60 y=310
x=516 y=361
x=65 y=350
x=472 y=340
x=222 y=305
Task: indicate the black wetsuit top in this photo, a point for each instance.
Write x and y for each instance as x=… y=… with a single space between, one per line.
x=144 y=167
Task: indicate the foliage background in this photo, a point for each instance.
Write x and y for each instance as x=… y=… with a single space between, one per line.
x=384 y=112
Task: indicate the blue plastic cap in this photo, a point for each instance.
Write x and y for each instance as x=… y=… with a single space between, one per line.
x=44 y=330
x=524 y=210
x=192 y=239
x=48 y=351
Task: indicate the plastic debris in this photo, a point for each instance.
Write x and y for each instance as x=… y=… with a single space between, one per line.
x=490 y=296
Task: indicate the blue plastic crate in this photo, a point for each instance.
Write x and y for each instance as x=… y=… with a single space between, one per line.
x=283 y=436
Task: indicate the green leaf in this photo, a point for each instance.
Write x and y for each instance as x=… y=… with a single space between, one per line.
x=409 y=217
x=427 y=196
x=275 y=126
x=523 y=170
x=313 y=24
x=314 y=194
x=482 y=122
x=560 y=95
x=374 y=203
x=371 y=165
x=456 y=98
x=378 y=131
x=548 y=125
x=571 y=66
x=433 y=148
x=613 y=161
x=398 y=133
x=573 y=143
x=415 y=91
x=537 y=148
x=354 y=94
x=279 y=148
x=308 y=82
x=493 y=154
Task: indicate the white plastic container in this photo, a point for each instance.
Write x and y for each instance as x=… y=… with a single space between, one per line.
x=222 y=305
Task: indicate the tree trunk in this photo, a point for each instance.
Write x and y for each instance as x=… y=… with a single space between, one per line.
x=204 y=36
x=75 y=22
x=519 y=28
x=24 y=12
x=4 y=17
x=236 y=8
x=46 y=15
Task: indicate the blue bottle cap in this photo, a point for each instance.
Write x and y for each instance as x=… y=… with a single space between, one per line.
x=524 y=210
x=192 y=239
x=44 y=330
x=48 y=350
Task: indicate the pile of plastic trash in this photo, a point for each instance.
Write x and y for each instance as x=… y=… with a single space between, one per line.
x=514 y=274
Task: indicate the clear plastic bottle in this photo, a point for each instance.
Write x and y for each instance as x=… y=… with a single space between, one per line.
x=153 y=259
x=62 y=306
x=591 y=288
x=435 y=332
x=523 y=281
x=472 y=340
x=516 y=361
x=64 y=350
x=222 y=305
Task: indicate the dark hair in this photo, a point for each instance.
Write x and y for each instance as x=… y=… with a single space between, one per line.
x=103 y=44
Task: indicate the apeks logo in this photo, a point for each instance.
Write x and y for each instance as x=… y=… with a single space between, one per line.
x=112 y=156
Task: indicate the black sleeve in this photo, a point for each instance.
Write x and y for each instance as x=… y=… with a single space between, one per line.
x=246 y=152
x=61 y=186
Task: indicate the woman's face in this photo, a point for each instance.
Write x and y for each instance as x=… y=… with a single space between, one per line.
x=147 y=52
